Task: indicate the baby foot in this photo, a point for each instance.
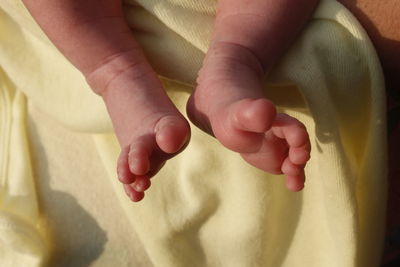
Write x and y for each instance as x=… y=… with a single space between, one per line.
x=157 y=141
x=148 y=126
x=229 y=104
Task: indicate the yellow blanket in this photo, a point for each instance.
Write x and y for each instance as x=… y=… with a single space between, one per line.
x=199 y=212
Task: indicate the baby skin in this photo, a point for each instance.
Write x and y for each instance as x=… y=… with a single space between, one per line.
x=228 y=102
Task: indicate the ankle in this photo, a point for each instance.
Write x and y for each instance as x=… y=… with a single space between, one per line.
x=124 y=67
x=231 y=54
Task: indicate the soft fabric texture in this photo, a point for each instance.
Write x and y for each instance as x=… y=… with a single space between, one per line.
x=206 y=207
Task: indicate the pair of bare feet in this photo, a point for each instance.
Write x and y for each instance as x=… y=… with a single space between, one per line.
x=228 y=103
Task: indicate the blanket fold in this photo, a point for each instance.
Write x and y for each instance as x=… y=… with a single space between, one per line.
x=23 y=240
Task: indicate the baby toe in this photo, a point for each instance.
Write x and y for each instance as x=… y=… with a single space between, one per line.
x=141 y=184
x=291 y=129
x=289 y=168
x=124 y=174
x=295 y=183
x=133 y=194
x=139 y=154
x=299 y=155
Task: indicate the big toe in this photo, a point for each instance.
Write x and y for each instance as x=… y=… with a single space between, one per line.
x=172 y=133
x=253 y=115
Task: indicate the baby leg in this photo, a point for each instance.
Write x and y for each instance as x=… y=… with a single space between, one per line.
x=94 y=36
x=229 y=102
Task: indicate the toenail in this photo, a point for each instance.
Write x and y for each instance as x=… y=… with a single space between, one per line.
x=138 y=187
x=163 y=125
